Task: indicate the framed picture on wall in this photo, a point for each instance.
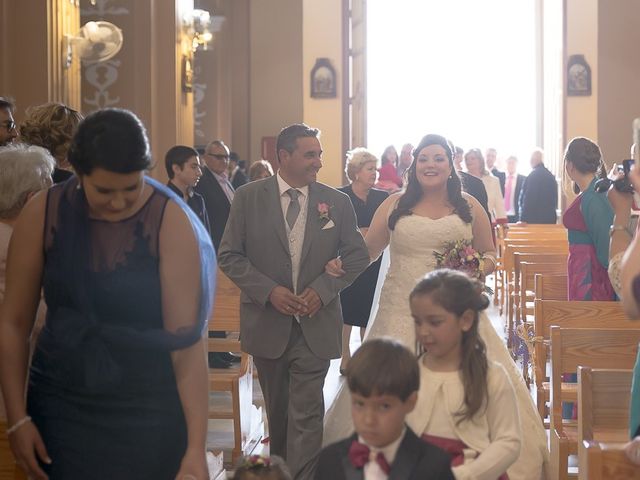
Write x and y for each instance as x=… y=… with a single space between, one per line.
x=323 y=79
x=578 y=76
x=187 y=74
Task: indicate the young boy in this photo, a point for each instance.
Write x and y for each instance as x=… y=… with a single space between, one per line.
x=383 y=378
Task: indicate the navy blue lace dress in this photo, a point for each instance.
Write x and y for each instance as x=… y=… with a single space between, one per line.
x=102 y=389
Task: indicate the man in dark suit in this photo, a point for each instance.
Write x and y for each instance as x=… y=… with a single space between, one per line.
x=491 y=156
x=539 y=196
x=512 y=188
x=470 y=184
x=218 y=194
x=236 y=176
x=216 y=189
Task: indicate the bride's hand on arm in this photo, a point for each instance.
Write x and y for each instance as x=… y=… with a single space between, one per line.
x=377 y=236
x=334 y=268
x=482 y=237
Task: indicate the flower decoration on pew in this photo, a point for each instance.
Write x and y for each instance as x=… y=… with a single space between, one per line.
x=460 y=255
x=257 y=461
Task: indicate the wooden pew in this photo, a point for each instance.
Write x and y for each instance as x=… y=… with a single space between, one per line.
x=607 y=461
x=545 y=265
x=237 y=380
x=550 y=287
x=524 y=313
x=517 y=231
x=527 y=266
x=568 y=314
x=603 y=416
x=571 y=348
x=512 y=290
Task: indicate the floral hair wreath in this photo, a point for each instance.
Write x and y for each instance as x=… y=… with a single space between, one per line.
x=256 y=461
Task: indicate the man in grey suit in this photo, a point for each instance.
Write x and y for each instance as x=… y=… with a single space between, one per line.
x=280 y=234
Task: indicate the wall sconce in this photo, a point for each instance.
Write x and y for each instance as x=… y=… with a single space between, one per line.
x=197 y=25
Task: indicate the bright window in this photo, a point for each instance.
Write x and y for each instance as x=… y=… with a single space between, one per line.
x=463 y=68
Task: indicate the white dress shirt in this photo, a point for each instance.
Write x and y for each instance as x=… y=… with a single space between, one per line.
x=372 y=470
x=225 y=184
x=511 y=210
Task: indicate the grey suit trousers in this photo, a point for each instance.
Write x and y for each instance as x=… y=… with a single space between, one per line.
x=292 y=387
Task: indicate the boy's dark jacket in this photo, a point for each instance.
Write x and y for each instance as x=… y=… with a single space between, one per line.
x=415 y=460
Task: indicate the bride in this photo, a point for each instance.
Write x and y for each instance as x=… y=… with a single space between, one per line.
x=416 y=223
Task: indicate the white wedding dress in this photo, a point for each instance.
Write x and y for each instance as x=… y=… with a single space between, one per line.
x=412 y=244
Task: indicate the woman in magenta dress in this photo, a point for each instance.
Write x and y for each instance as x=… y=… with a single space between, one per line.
x=388 y=179
x=588 y=220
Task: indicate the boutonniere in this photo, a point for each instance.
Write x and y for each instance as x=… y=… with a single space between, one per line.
x=323 y=211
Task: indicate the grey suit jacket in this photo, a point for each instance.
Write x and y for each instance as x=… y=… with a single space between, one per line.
x=254 y=254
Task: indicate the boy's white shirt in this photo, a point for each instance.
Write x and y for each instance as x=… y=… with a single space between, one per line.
x=373 y=471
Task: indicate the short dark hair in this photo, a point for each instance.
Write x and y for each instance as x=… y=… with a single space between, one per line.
x=112 y=139
x=458 y=150
x=178 y=155
x=288 y=137
x=383 y=366
x=8 y=103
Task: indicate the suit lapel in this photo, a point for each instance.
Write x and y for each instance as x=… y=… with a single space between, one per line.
x=273 y=202
x=406 y=457
x=351 y=472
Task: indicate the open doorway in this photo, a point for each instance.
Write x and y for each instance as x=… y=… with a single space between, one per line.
x=468 y=70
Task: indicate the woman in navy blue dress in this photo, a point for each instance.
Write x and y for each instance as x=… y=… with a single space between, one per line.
x=118 y=382
x=357 y=299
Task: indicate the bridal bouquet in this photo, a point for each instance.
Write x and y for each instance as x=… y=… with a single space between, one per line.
x=460 y=255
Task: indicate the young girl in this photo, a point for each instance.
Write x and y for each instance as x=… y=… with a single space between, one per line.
x=466 y=404
x=257 y=467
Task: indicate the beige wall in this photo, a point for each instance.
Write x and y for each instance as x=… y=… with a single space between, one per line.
x=619 y=76
x=322 y=38
x=275 y=69
x=582 y=38
x=606 y=33
x=257 y=77
x=146 y=75
x=30 y=72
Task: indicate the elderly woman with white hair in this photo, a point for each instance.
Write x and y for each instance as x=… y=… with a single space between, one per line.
x=357 y=299
x=24 y=170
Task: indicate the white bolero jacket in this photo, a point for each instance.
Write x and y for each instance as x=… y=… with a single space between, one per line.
x=494 y=432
